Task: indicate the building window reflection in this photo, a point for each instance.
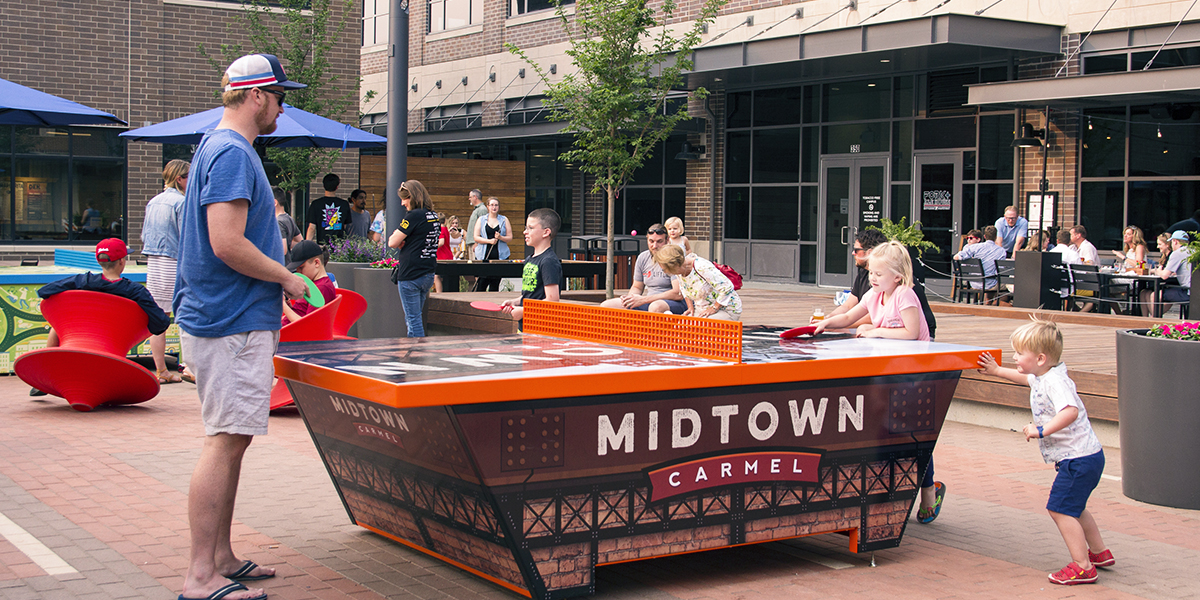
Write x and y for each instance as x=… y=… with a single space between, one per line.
x=61 y=184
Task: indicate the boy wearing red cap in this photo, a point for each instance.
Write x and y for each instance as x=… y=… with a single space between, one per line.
x=111 y=254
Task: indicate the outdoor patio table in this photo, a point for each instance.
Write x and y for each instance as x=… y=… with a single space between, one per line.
x=530 y=459
x=1154 y=282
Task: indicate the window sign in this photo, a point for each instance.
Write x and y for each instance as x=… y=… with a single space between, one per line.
x=936 y=200
x=870 y=210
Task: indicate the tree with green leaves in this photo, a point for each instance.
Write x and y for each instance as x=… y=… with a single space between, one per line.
x=303 y=34
x=614 y=102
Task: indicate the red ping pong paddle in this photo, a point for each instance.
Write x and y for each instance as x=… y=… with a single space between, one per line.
x=485 y=305
x=798 y=331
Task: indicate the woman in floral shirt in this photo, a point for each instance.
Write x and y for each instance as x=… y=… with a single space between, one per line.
x=707 y=291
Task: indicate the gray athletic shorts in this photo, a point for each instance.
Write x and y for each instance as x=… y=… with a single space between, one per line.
x=234 y=375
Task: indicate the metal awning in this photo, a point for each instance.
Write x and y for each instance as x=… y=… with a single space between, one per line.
x=1158 y=86
x=924 y=43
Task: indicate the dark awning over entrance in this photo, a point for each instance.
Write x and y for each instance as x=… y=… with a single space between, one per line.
x=926 y=43
x=1159 y=86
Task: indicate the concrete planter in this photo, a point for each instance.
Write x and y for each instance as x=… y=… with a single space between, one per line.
x=385 y=315
x=1159 y=409
x=343 y=272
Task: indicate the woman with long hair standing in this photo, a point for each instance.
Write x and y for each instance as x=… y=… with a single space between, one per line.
x=417 y=239
x=160 y=244
x=492 y=235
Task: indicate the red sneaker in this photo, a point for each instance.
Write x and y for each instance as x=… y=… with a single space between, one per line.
x=1104 y=559
x=1073 y=575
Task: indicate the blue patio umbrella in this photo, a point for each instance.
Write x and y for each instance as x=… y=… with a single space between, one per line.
x=295 y=128
x=20 y=105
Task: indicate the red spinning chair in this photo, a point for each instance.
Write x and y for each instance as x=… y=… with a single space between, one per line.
x=89 y=368
x=316 y=326
x=353 y=307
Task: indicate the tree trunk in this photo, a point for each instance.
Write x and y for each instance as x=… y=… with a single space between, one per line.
x=608 y=267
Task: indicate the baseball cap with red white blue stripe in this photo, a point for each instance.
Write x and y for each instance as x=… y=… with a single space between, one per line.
x=258 y=70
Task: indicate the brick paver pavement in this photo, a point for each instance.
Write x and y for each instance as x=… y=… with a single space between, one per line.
x=107 y=493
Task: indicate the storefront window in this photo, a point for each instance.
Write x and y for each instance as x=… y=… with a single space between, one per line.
x=777 y=107
x=858 y=100
x=1163 y=141
x=1156 y=205
x=737 y=157
x=776 y=155
x=97 y=210
x=737 y=213
x=779 y=208
x=1164 y=157
x=42 y=140
x=1104 y=143
x=1103 y=212
x=996 y=134
x=41 y=199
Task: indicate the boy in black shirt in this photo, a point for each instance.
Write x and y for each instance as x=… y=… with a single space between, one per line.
x=542 y=275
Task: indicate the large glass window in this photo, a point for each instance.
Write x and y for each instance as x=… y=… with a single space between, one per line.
x=375 y=22
x=1140 y=165
x=520 y=7
x=61 y=183
x=450 y=14
x=657 y=191
x=858 y=100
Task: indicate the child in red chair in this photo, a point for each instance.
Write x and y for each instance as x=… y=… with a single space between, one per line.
x=308 y=260
x=111 y=254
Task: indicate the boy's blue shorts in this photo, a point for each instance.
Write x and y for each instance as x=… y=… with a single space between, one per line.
x=1076 y=479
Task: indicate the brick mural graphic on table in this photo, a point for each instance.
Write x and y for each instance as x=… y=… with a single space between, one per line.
x=534 y=494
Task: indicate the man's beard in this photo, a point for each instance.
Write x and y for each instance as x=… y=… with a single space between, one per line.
x=266 y=124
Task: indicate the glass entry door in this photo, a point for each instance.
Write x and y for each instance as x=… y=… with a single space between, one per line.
x=854 y=194
x=939 y=205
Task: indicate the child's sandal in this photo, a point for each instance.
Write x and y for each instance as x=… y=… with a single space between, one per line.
x=166 y=376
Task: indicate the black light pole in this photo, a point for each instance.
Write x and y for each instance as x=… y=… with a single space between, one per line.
x=397 y=126
x=1044 y=184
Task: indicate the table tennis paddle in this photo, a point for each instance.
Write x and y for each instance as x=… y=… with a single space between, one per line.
x=798 y=331
x=312 y=295
x=485 y=305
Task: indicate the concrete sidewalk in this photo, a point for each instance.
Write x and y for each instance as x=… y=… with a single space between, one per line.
x=94 y=506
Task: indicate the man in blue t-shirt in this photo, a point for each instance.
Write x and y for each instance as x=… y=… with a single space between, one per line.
x=1012 y=230
x=227 y=303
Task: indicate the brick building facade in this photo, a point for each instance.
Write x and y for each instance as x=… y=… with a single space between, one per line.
x=139 y=60
x=827 y=117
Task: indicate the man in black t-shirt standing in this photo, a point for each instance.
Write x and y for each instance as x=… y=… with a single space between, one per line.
x=328 y=217
x=864 y=242
x=417 y=239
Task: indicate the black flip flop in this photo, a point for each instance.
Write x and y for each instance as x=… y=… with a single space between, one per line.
x=243 y=574
x=225 y=591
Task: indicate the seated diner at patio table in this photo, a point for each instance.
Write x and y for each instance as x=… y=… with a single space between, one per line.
x=1176 y=266
x=983 y=246
x=1133 y=247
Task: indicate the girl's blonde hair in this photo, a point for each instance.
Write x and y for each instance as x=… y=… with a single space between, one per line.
x=1138 y=238
x=670 y=258
x=1039 y=337
x=174 y=170
x=894 y=256
x=675 y=221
